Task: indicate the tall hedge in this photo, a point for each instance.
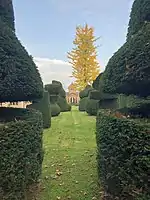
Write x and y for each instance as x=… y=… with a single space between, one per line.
x=122 y=156
x=128 y=71
x=44 y=107
x=21 y=153
x=7 y=13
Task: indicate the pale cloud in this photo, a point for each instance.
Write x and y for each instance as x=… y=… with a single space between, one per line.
x=52 y=69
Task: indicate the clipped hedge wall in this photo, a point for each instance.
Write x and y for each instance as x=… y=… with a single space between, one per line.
x=21 y=153
x=44 y=107
x=123 y=165
x=92 y=106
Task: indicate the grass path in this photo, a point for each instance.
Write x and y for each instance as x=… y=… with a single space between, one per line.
x=69 y=168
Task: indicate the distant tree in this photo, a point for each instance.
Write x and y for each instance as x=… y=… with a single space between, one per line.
x=83 y=57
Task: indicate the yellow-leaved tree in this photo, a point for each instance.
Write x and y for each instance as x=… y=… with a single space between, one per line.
x=83 y=57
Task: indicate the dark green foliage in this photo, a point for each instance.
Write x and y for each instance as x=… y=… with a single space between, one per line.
x=92 y=106
x=44 y=107
x=21 y=153
x=84 y=97
x=82 y=104
x=123 y=165
x=108 y=104
x=53 y=89
x=64 y=107
x=85 y=92
x=19 y=77
x=142 y=110
x=128 y=71
x=94 y=94
x=55 y=109
x=139 y=16
x=96 y=83
x=7 y=13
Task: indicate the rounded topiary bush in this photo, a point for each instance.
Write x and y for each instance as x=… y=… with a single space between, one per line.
x=43 y=106
x=55 y=109
x=21 y=153
x=83 y=98
x=92 y=106
x=82 y=104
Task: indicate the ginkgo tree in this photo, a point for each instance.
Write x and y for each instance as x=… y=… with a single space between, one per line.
x=83 y=57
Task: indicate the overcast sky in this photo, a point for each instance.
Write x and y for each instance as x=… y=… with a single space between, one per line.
x=47 y=28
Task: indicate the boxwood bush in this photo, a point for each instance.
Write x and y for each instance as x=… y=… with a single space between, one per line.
x=44 y=107
x=82 y=104
x=123 y=156
x=92 y=106
x=55 y=109
x=21 y=153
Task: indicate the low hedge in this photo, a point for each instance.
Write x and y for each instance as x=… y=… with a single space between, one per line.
x=82 y=104
x=92 y=106
x=44 y=107
x=123 y=164
x=21 y=152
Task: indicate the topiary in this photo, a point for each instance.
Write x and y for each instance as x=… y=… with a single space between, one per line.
x=85 y=92
x=92 y=106
x=55 y=109
x=53 y=89
x=7 y=13
x=82 y=104
x=44 y=107
x=128 y=71
x=21 y=154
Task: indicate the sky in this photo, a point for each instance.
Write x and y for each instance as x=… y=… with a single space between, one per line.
x=47 y=29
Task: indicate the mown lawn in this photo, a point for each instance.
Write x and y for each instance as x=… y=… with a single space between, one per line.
x=69 y=168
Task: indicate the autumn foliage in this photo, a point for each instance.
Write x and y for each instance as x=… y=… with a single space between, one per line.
x=83 y=57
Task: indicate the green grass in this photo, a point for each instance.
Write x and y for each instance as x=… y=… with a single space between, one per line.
x=70 y=149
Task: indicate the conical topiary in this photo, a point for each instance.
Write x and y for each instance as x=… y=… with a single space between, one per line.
x=7 y=13
x=19 y=77
x=128 y=71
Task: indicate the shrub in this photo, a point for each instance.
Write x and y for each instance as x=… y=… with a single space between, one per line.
x=19 y=77
x=92 y=106
x=53 y=89
x=123 y=164
x=96 y=83
x=44 y=107
x=7 y=13
x=94 y=94
x=62 y=103
x=55 y=109
x=142 y=110
x=82 y=104
x=128 y=71
x=85 y=92
x=21 y=151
